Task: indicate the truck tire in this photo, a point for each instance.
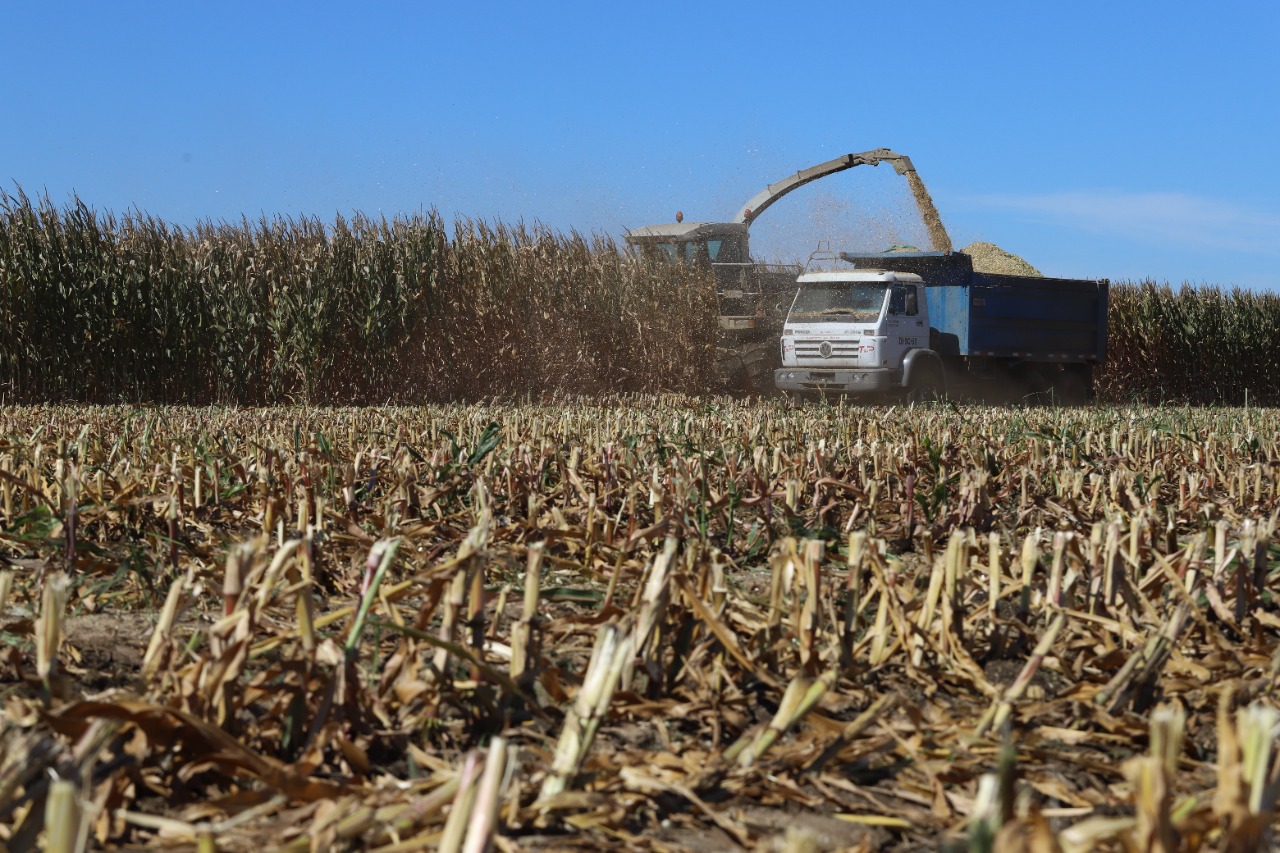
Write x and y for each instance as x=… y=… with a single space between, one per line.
x=1071 y=389
x=1033 y=389
x=926 y=385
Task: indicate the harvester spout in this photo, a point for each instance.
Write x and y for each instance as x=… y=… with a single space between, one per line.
x=759 y=202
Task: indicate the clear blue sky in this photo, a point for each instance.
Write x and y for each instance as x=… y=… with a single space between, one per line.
x=1098 y=139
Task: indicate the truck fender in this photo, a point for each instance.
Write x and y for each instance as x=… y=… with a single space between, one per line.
x=918 y=358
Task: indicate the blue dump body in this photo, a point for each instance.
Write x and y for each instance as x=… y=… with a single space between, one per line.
x=1004 y=316
x=1039 y=319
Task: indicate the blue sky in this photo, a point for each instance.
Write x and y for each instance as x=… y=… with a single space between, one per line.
x=1098 y=139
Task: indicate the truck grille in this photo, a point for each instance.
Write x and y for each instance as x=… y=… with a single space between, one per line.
x=822 y=350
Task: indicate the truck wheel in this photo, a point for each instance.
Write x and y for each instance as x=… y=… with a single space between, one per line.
x=1070 y=389
x=926 y=386
x=1033 y=388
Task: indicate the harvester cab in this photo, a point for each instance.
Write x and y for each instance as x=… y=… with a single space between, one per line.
x=721 y=246
x=694 y=242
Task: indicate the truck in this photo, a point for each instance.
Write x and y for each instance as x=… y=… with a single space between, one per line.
x=753 y=297
x=916 y=326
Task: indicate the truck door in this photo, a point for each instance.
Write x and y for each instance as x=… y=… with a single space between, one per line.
x=904 y=327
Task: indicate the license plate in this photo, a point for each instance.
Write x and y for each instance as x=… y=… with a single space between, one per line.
x=822 y=375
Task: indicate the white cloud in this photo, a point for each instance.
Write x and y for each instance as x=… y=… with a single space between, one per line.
x=1172 y=219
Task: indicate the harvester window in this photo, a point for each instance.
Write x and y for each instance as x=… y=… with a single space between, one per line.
x=724 y=251
x=664 y=251
x=695 y=252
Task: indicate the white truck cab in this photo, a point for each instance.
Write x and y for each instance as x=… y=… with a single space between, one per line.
x=859 y=332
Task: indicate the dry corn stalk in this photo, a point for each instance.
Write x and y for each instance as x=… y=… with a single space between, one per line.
x=462 y=811
x=801 y=696
x=49 y=626
x=656 y=595
x=613 y=648
x=1248 y=774
x=488 y=799
x=162 y=636
x=381 y=556
x=1152 y=777
x=6 y=584
x=524 y=649
x=64 y=832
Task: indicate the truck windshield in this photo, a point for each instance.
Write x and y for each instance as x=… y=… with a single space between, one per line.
x=838 y=300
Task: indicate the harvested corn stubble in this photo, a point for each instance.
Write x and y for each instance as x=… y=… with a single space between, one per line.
x=658 y=623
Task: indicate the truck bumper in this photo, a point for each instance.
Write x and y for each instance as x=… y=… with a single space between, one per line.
x=800 y=380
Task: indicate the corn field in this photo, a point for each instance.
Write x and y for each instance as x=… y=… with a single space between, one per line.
x=657 y=623
x=1195 y=345
x=103 y=309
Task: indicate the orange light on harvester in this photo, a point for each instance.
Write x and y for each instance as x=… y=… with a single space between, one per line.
x=746 y=213
x=679 y=216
